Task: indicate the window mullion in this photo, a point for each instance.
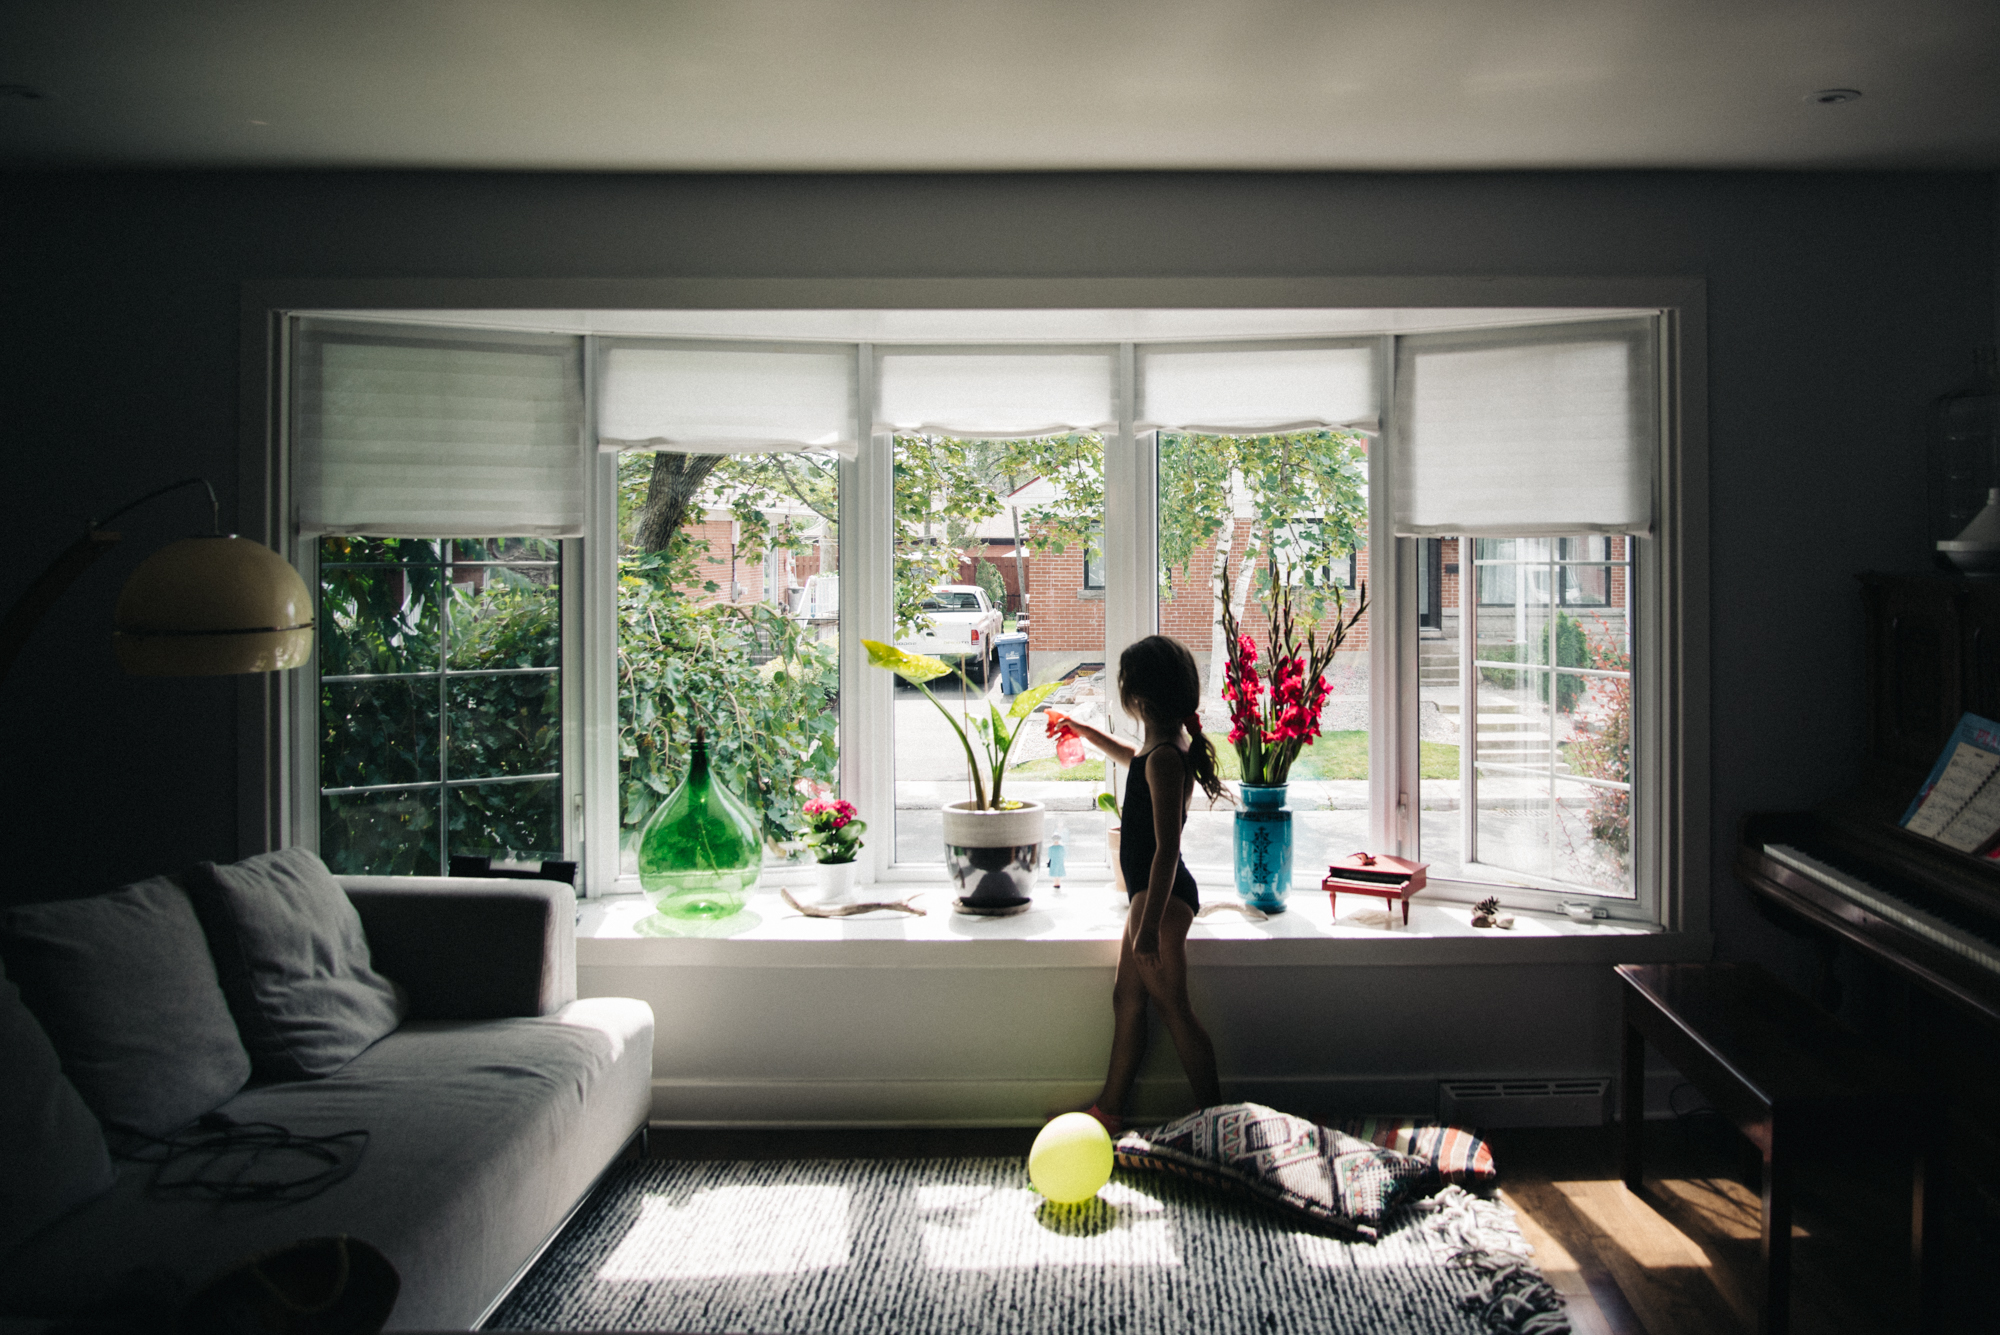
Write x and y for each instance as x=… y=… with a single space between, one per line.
x=1392 y=703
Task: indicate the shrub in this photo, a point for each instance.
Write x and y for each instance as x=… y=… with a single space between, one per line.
x=1572 y=650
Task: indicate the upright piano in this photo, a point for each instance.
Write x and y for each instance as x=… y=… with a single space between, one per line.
x=1911 y=926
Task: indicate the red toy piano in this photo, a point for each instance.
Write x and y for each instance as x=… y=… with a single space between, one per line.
x=1389 y=879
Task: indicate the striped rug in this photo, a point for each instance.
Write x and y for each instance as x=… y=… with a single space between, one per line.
x=966 y=1247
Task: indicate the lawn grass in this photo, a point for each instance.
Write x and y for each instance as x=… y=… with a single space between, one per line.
x=1336 y=755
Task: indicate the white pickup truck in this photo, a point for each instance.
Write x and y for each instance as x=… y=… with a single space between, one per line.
x=960 y=627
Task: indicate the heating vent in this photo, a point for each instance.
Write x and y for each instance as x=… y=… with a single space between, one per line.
x=1484 y=1103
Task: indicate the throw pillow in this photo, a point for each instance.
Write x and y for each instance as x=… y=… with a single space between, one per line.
x=125 y=990
x=1461 y=1158
x=294 y=963
x=52 y=1155
x=1314 y=1171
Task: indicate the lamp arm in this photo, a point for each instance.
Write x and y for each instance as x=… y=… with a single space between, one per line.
x=33 y=604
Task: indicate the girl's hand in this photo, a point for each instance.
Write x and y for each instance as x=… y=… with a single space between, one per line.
x=1147 y=945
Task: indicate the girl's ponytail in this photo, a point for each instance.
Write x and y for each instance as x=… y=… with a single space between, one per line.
x=1201 y=755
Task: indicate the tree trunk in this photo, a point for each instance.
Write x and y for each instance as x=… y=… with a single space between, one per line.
x=676 y=480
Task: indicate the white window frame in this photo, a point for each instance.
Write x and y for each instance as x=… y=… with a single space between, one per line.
x=280 y=802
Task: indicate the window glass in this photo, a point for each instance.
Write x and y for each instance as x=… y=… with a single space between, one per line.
x=995 y=537
x=1544 y=715
x=440 y=702
x=729 y=622
x=1294 y=505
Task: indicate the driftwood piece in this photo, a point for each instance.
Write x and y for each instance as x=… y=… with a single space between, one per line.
x=849 y=910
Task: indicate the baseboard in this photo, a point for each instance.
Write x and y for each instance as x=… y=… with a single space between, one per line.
x=949 y=1103
x=968 y=1103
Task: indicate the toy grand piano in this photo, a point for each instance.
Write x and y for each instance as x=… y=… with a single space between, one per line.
x=1389 y=879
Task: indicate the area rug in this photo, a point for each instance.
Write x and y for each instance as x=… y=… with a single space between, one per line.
x=966 y=1247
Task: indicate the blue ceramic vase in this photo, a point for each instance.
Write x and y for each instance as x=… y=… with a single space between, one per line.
x=1264 y=847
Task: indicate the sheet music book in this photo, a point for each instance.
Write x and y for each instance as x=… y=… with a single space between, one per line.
x=1959 y=804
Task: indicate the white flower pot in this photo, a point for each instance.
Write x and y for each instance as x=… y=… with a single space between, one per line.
x=1111 y=837
x=836 y=881
x=994 y=856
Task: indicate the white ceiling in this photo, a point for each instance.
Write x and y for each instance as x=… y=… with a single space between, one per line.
x=1000 y=84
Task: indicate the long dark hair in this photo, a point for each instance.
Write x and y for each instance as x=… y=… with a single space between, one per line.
x=1158 y=679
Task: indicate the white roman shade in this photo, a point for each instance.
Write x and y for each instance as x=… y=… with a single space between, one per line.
x=727 y=399
x=1540 y=431
x=996 y=394
x=1254 y=388
x=407 y=434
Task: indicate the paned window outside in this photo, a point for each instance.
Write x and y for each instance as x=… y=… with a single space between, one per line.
x=959 y=506
x=1238 y=502
x=440 y=702
x=729 y=623
x=1543 y=717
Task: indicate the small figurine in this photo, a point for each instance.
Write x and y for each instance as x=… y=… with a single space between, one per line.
x=1058 y=859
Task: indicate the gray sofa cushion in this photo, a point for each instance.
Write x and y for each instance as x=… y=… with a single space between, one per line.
x=52 y=1155
x=294 y=963
x=124 y=987
x=483 y=1135
x=471 y=949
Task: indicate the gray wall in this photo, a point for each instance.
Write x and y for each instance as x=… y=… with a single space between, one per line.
x=1839 y=306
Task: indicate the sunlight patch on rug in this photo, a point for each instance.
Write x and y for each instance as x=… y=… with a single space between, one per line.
x=747 y=1230
x=997 y=1228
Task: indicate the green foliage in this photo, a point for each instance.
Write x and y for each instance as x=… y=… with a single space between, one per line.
x=387 y=609
x=988 y=577
x=1606 y=753
x=1572 y=650
x=1308 y=493
x=757 y=682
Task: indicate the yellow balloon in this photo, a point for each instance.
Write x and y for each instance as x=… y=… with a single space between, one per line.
x=1071 y=1158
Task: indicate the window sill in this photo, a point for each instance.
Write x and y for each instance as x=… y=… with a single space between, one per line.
x=1081 y=929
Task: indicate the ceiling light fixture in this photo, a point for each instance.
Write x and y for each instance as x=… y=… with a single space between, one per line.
x=1833 y=97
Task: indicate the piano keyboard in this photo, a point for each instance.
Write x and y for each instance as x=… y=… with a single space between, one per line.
x=1883 y=905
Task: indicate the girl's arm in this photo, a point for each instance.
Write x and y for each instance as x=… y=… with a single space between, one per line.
x=1103 y=741
x=1166 y=775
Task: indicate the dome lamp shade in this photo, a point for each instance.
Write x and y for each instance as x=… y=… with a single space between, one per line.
x=213 y=606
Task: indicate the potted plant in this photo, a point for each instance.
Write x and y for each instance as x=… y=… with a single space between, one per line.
x=833 y=833
x=992 y=844
x=1271 y=720
x=1113 y=835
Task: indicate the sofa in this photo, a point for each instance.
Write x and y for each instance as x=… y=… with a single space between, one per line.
x=492 y=1104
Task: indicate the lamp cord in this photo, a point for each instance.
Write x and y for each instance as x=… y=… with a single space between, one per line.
x=214 y=505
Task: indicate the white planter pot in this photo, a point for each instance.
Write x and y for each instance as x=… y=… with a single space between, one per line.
x=836 y=881
x=1111 y=837
x=994 y=856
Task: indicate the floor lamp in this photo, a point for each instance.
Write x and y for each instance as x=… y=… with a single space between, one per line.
x=207 y=606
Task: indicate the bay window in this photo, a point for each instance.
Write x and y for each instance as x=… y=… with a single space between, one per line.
x=706 y=527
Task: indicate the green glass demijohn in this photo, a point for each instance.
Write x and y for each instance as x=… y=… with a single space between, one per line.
x=700 y=854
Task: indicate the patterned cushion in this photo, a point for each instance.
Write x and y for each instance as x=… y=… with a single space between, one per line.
x=1323 y=1174
x=1459 y=1156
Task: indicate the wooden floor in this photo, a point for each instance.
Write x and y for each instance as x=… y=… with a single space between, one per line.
x=1679 y=1259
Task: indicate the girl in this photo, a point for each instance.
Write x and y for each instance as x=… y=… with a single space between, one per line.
x=1160 y=686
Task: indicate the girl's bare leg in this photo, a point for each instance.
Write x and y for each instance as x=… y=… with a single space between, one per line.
x=1166 y=985
x=1128 y=1012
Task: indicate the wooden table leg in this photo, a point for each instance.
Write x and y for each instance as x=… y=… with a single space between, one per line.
x=1775 y=1317
x=1632 y=1108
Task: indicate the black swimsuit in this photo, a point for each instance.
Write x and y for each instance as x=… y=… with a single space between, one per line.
x=1137 y=844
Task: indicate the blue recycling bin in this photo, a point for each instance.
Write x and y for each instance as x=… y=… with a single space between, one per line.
x=1013 y=651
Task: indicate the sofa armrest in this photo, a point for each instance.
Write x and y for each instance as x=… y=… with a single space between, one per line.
x=471 y=949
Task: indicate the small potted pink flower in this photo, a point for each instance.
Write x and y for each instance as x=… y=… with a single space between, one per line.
x=833 y=833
